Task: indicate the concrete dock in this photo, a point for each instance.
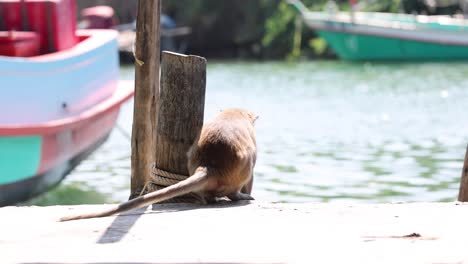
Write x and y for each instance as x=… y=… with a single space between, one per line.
x=239 y=233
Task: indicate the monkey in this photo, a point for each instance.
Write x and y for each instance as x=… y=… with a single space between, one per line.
x=220 y=161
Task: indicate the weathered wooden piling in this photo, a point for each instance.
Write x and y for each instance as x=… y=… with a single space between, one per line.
x=463 y=193
x=168 y=117
x=180 y=114
x=147 y=57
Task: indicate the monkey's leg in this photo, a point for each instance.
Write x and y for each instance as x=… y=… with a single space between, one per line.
x=247 y=188
x=238 y=196
x=210 y=200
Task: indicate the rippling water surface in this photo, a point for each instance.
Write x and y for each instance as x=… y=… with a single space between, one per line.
x=328 y=132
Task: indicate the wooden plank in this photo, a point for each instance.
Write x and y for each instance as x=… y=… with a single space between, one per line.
x=147 y=66
x=240 y=233
x=181 y=111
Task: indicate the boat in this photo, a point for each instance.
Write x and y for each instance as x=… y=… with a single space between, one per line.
x=376 y=36
x=172 y=37
x=60 y=94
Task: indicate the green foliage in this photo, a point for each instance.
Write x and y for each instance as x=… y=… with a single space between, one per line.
x=297 y=40
x=318 y=45
x=384 y=6
x=223 y=26
x=281 y=34
x=278 y=23
x=279 y=31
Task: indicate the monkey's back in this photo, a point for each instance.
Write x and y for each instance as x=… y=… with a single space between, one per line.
x=225 y=144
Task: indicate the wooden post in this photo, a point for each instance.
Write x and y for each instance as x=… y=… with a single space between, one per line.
x=181 y=109
x=463 y=193
x=147 y=50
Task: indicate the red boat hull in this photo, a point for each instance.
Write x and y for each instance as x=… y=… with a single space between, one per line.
x=65 y=143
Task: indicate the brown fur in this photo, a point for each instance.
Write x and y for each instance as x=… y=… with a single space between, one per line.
x=221 y=163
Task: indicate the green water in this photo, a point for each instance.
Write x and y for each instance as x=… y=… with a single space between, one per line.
x=328 y=132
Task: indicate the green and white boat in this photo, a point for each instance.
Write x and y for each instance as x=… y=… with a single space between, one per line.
x=386 y=36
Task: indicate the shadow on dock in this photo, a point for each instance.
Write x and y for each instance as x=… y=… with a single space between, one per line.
x=124 y=222
x=120 y=227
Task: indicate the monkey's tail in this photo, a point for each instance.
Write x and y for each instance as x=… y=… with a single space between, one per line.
x=197 y=182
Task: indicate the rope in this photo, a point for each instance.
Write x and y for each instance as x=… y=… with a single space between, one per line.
x=161 y=179
x=165 y=174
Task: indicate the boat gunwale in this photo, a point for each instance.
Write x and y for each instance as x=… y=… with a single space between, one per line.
x=396 y=32
x=354 y=17
x=123 y=92
x=90 y=40
x=377 y=17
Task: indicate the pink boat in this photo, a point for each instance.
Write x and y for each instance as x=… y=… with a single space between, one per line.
x=59 y=94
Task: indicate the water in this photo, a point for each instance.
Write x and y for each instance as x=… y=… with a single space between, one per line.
x=328 y=132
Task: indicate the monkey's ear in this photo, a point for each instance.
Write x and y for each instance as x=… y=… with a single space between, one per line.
x=254 y=118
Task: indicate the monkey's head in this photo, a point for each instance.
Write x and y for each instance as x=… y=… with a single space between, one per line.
x=241 y=113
